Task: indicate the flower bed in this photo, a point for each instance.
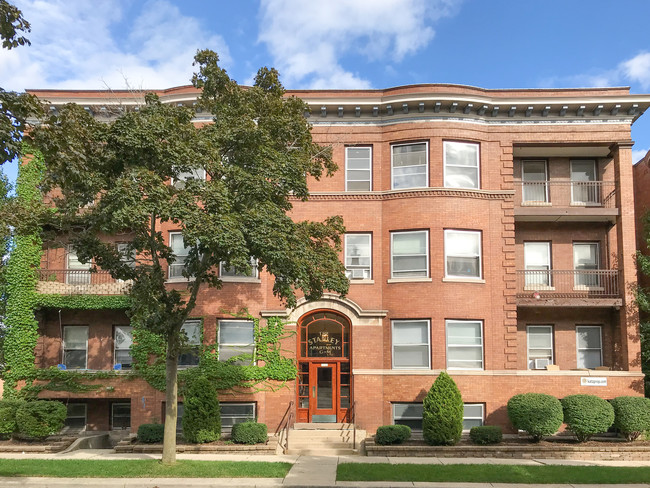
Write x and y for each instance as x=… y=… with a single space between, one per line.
x=218 y=447
x=49 y=445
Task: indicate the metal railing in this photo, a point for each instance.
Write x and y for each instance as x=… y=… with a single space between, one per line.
x=566 y=193
x=80 y=282
x=350 y=417
x=577 y=283
x=282 y=432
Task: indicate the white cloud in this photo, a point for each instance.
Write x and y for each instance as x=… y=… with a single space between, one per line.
x=98 y=44
x=308 y=39
x=637 y=69
x=638 y=154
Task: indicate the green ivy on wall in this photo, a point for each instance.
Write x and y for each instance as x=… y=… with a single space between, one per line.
x=83 y=302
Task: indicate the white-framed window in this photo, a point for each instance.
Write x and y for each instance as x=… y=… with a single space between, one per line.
x=190 y=354
x=183 y=176
x=584 y=188
x=411 y=344
x=540 y=346
x=77 y=273
x=75 y=346
x=358 y=256
x=534 y=178
x=537 y=264
x=235 y=413
x=120 y=415
x=76 y=416
x=473 y=415
x=461 y=165
x=464 y=344
x=123 y=340
x=180 y=252
x=231 y=272
x=586 y=260
x=410 y=165
x=358 y=168
x=409 y=414
x=410 y=254
x=589 y=344
x=462 y=253
x=236 y=337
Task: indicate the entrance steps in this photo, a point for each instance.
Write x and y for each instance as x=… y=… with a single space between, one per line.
x=324 y=439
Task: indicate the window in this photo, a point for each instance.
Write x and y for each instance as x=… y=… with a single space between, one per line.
x=358 y=168
x=408 y=414
x=190 y=354
x=236 y=337
x=180 y=251
x=535 y=185
x=462 y=254
x=183 y=176
x=464 y=344
x=358 y=256
x=121 y=416
x=75 y=346
x=410 y=254
x=537 y=263
x=77 y=273
x=540 y=346
x=586 y=257
x=127 y=255
x=472 y=415
x=410 y=165
x=461 y=165
x=590 y=348
x=235 y=413
x=231 y=272
x=123 y=339
x=76 y=417
x=584 y=187
x=411 y=344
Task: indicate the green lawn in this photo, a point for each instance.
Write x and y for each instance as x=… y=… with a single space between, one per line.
x=69 y=468
x=490 y=473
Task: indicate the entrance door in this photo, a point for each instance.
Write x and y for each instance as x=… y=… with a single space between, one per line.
x=323 y=388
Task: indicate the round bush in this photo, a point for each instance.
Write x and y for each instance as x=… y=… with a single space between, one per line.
x=486 y=435
x=201 y=414
x=8 y=417
x=587 y=415
x=151 y=433
x=442 y=418
x=40 y=418
x=392 y=434
x=537 y=414
x=249 y=433
x=631 y=416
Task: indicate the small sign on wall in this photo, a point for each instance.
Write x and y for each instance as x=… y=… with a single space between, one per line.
x=593 y=381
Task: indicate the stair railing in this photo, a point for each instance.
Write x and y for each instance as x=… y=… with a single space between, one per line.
x=282 y=432
x=351 y=418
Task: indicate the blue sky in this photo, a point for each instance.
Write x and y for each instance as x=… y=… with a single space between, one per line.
x=102 y=44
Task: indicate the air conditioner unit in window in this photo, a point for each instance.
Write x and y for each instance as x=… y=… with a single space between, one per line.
x=542 y=363
x=358 y=274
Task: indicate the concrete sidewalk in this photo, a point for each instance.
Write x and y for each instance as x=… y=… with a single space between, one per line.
x=307 y=471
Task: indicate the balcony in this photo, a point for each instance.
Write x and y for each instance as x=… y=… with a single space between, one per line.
x=565 y=200
x=568 y=288
x=79 y=282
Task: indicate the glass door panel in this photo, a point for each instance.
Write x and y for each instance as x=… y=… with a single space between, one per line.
x=534 y=178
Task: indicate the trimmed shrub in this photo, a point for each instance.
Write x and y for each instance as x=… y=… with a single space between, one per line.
x=631 y=416
x=442 y=418
x=587 y=415
x=537 y=414
x=486 y=435
x=40 y=418
x=392 y=434
x=151 y=433
x=8 y=410
x=249 y=433
x=201 y=413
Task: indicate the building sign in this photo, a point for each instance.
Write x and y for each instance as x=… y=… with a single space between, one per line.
x=593 y=381
x=324 y=345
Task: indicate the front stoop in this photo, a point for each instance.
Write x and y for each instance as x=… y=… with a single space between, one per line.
x=324 y=439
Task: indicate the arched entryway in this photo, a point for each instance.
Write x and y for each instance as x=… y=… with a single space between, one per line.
x=324 y=379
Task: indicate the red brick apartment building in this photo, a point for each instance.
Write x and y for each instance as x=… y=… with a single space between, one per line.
x=490 y=233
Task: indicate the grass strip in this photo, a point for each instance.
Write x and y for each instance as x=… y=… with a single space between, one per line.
x=491 y=473
x=149 y=468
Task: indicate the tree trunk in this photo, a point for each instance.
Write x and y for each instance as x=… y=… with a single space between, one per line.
x=171 y=405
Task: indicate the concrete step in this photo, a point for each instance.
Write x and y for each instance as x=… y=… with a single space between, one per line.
x=306 y=444
x=322 y=426
x=322 y=434
x=323 y=452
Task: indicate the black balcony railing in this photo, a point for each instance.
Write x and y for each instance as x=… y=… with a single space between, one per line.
x=583 y=283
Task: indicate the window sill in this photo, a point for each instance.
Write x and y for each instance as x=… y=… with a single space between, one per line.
x=362 y=282
x=179 y=280
x=462 y=280
x=243 y=279
x=533 y=203
x=409 y=280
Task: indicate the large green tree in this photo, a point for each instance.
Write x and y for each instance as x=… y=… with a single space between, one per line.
x=643 y=301
x=114 y=179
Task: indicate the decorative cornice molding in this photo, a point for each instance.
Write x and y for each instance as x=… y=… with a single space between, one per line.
x=412 y=193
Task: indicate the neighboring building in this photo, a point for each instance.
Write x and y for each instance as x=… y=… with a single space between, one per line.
x=490 y=233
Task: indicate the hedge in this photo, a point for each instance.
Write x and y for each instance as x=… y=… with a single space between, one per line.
x=201 y=414
x=537 y=414
x=249 y=433
x=392 y=434
x=8 y=425
x=40 y=418
x=486 y=435
x=442 y=417
x=151 y=433
x=631 y=416
x=587 y=415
